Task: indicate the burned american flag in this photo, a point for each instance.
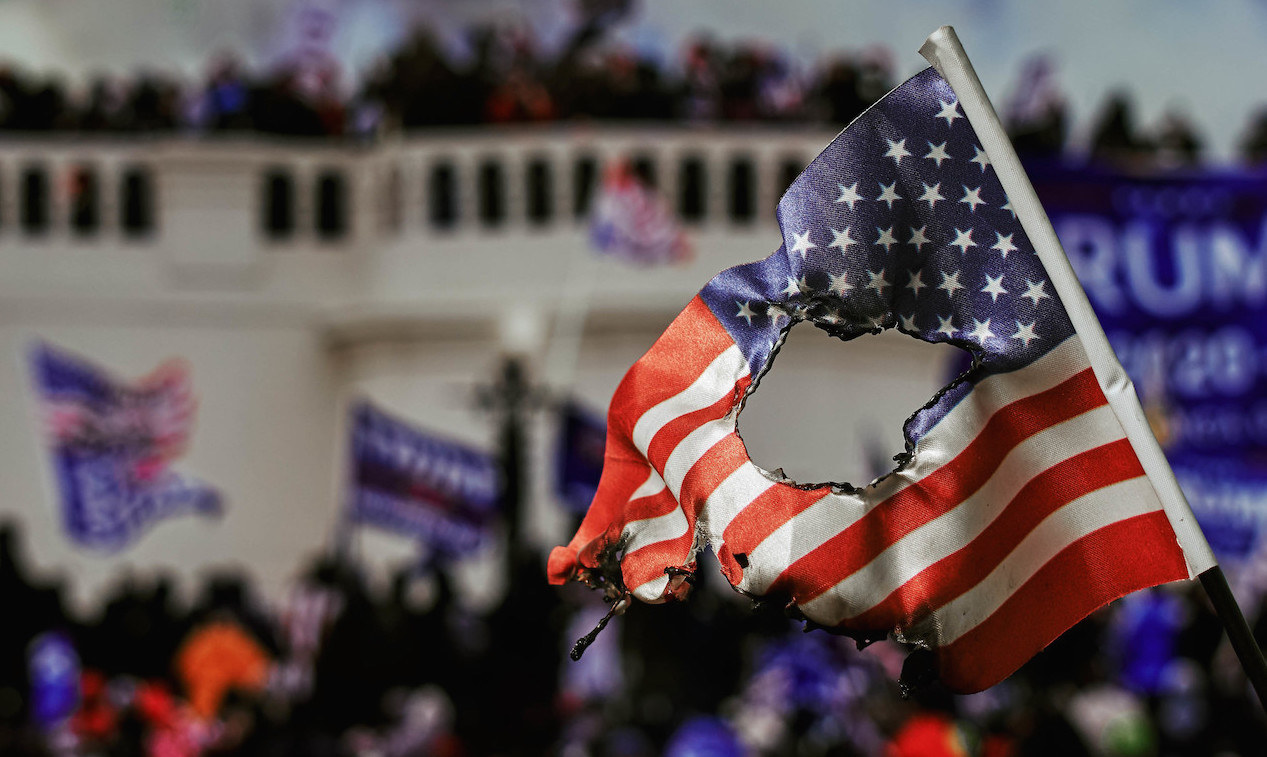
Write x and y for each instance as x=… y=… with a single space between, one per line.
x=1030 y=493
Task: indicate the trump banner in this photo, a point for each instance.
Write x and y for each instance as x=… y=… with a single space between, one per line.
x=1175 y=266
x=112 y=446
x=578 y=456
x=420 y=485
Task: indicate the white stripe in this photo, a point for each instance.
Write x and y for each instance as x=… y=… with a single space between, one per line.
x=652 y=486
x=692 y=447
x=648 y=531
x=1076 y=519
x=735 y=493
x=652 y=591
x=812 y=527
x=952 y=531
x=717 y=381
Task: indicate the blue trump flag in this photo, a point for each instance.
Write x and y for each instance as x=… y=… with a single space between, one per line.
x=112 y=446
x=418 y=484
x=1175 y=265
x=579 y=457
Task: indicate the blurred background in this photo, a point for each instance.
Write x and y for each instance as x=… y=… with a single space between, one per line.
x=311 y=312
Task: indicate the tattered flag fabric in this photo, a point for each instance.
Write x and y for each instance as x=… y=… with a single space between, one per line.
x=1027 y=497
x=419 y=484
x=113 y=445
x=632 y=221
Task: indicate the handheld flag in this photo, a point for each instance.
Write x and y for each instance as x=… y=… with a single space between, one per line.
x=1031 y=492
x=406 y=480
x=113 y=446
x=632 y=222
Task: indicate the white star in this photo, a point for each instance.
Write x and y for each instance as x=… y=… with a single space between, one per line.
x=980 y=330
x=917 y=237
x=876 y=321
x=937 y=153
x=963 y=240
x=950 y=283
x=832 y=318
x=1008 y=207
x=1035 y=292
x=994 y=287
x=897 y=150
x=946 y=325
x=840 y=283
x=878 y=282
x=842 y=240
x=774 y=313
x=1003 y=244
x=888 y=194
x=949 y=111
x=794 y=287
x=972 y=197
x=931 y=195
x=849 y=194
x=801 y=243
x=745 y=312
x=886 y=239
x=1025 y=332
x=981 y=158
x=916 y=282
x=908 y=322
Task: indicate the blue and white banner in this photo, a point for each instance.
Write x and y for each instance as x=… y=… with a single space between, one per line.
x=113 y=444
x=579 y=456
x=418 y=484
x=1176 y=268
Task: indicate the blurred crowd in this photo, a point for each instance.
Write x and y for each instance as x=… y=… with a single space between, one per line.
x=342 y=668
x=503 y=76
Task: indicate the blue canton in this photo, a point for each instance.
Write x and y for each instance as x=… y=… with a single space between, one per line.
x=900 y=223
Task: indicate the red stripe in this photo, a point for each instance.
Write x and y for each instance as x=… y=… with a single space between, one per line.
x=772 y=507
x=648 y=563
x=1046 y=493
x=1100 y=567
x=940 y=491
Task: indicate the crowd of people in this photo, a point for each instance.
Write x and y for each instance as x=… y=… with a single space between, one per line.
x=504 y=77
x=343 y=669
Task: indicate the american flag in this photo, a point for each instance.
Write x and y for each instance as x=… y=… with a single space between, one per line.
x=1020 y=506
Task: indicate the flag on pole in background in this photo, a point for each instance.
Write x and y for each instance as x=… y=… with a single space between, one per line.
x=113 y=445
x=420 y=485
x=1029 y=495
x=579 y=456
x=632 y=221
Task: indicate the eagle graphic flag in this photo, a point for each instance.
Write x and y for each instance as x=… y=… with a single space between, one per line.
x=113 y=446
x=1031 y=492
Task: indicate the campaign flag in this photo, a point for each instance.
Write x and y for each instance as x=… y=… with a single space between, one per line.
x=632 y=221
x=418 y=484
x=113 y=445
x=1175 y=265
x=579 y=456
x=1029 y=494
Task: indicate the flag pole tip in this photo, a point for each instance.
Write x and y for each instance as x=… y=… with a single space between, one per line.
x=942 y=39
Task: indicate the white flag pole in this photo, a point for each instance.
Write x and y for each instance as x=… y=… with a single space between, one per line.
x=943 y=50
